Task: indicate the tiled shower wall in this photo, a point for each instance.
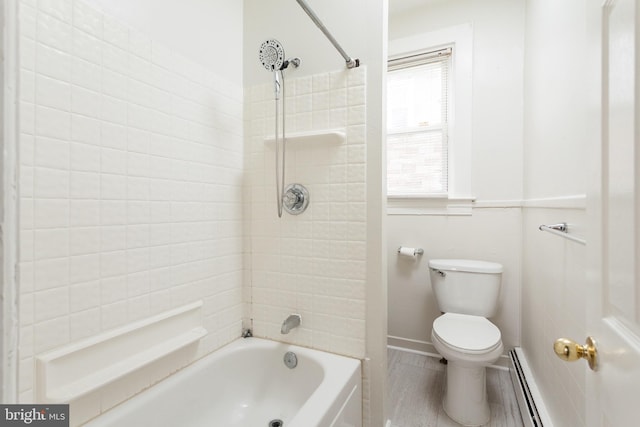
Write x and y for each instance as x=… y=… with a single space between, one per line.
x=131 y=171
x=313 y=263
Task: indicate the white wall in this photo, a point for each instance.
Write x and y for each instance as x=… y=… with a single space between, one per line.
x=553 y=295
x=131 y=169
x=493 y=230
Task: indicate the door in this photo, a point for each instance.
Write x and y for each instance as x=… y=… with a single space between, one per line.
x=613 y=211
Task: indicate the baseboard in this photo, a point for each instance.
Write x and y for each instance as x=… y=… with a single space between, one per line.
x=532 y=408
x=427 y=349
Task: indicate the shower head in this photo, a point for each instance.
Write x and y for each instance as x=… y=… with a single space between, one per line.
x=272 y=55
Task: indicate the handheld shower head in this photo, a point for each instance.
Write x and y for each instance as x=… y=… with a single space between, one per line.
x=272 y=55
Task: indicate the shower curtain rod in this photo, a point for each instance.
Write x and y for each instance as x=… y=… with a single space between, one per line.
x=351 y=62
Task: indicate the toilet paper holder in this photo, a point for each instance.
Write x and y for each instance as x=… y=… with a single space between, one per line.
x=416 y=251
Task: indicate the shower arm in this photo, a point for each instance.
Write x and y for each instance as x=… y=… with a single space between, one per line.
x=351 y=62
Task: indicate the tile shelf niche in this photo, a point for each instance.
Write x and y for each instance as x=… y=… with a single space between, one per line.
x=315 y=137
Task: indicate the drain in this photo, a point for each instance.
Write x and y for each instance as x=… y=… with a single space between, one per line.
x=290 y=359
x=276 y=423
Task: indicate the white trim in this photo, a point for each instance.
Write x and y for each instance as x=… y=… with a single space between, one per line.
x=465 y=206
x=10 y=322
x=460 y=120
x=578 y=201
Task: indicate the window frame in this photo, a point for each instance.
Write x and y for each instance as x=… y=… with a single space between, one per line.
x=404 y=62
x=458 y=199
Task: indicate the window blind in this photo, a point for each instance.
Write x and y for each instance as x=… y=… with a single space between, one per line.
x=417 y=124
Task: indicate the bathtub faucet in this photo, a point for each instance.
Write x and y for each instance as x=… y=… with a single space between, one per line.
x=293 y=321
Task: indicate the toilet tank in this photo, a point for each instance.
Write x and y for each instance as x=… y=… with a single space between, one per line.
x=466 y=286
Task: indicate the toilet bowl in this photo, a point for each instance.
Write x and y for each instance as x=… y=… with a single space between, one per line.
x=467 y=293
x=469 y=343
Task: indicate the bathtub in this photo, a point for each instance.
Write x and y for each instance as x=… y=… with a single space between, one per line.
x=247 y=384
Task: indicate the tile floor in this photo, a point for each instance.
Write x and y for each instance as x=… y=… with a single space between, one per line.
x=417 y=384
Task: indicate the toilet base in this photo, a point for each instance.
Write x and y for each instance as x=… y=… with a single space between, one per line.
x=465 y=399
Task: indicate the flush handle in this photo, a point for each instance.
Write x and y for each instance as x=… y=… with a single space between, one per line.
x=570 y=351
x=440 y=272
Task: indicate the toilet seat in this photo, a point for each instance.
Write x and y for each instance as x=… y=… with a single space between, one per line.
x=466 y=333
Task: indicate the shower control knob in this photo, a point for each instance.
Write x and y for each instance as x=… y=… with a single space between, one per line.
x=295 y=199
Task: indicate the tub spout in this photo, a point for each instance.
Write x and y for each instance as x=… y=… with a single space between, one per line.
x=293 y=321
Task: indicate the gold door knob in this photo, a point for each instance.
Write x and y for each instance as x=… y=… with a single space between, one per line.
x=570 y=351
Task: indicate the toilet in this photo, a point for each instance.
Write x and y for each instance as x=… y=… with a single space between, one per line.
x=467 y=294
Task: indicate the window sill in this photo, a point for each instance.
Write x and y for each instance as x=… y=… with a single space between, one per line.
x=433 y=205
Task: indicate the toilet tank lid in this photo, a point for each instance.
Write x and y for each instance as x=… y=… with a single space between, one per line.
x=467 y=265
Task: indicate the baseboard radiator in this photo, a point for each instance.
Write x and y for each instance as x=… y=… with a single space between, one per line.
x=528 y=410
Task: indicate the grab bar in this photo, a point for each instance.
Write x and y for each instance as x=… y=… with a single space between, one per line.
x=561 y=230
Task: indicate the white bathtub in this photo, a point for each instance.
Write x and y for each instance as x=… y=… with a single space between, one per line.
x=247 y=384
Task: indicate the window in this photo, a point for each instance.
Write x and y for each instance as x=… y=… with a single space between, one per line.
x=417 y=125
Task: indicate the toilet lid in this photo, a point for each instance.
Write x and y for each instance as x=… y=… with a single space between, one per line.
x=466 y=332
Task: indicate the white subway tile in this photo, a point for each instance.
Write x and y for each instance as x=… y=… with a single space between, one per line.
x=27 y=247
x=84 y=185
x=87 y=47
x=114 y=84
x=113 y=161
x=139 y=68
x=50 y=334
x=114 y=136
x=86 y=74
x=115 y=33
x=113 y=238
x=51 y=243
x=60 y=9
x=51 y=153
x=50 y=213
x=113 y=315
x=51 y=273
x=27 y=86
x=27 y=118
x=138 y=189
x=113 y=263
x=84 y=157
x=113 y=187
x=84 y=213
x=357 y=95
x=85 y=102
x=54 y=32
x=87 y=19
x=115 y=59
x=114 y=110
x=27 y=15
x=138 y=212
x=53 y=123
x=85 y=240
x=51 y=183
x=53 y=93
x=140 y=44
x=138 y=140
x=113 y=212
x=84 y=324
x=27 y=149
x=85 y=129
x=26 y=311
x=53 y=63
x=51 y=304
x=138 y=236
x=113 y=289
x=26 y=213
x=84 y=268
